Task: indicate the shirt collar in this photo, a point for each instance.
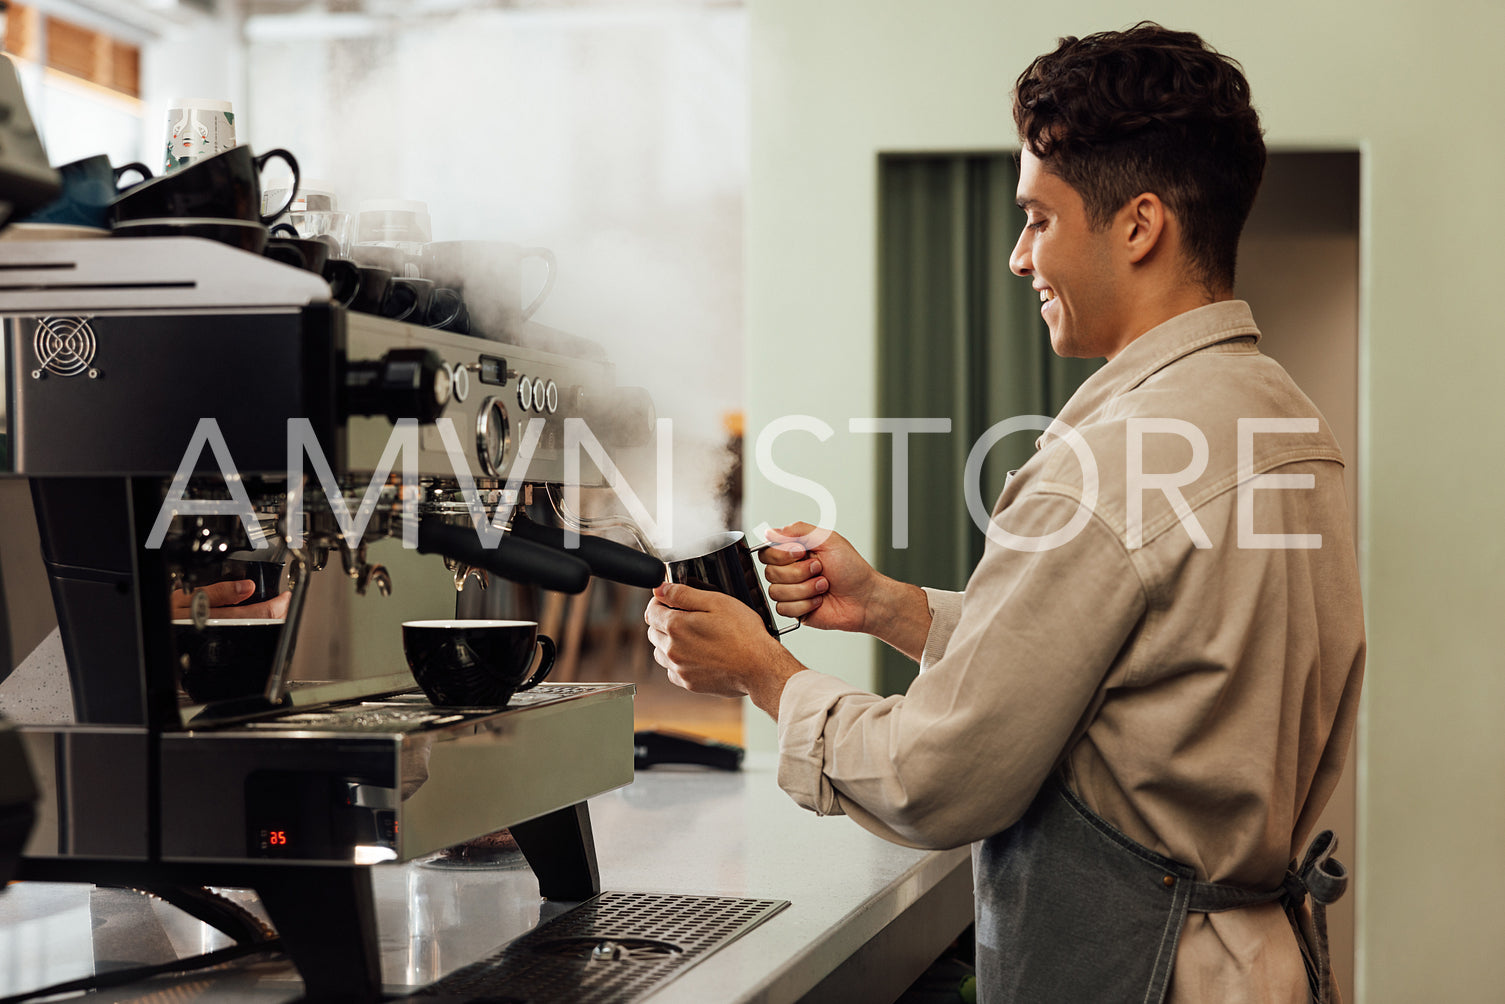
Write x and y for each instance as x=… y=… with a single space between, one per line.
x=1157 y=348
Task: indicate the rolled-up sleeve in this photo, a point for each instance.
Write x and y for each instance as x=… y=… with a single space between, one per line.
x=1009 y=669
x=945 y=611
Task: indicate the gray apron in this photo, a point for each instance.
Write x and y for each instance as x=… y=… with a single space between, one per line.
x=1070 y=910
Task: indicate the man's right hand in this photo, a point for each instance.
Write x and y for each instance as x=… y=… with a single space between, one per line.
x=818 y=576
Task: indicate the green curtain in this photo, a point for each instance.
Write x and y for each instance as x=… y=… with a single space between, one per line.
x=959 y=337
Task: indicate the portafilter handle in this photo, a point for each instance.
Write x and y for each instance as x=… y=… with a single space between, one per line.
x=512 y=558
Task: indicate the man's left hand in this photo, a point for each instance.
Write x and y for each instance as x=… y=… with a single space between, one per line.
x=711 y=643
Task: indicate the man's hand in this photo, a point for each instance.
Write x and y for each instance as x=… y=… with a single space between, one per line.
x=817 y=575
x=222 y=599
x=711 y=643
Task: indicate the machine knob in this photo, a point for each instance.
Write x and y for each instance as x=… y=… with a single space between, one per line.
x=459 y=375
x=404 y=383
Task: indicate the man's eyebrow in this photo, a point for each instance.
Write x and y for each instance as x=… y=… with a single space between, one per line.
x=1027 y=201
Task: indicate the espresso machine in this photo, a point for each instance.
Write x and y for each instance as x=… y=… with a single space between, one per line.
x=174 y=403
x=26 y=183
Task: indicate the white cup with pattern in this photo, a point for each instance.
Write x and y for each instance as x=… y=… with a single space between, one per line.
x=197 y=128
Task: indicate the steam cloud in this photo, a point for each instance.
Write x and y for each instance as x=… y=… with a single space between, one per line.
x=615 y=139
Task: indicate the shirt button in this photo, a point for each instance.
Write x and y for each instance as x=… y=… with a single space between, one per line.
x=1168 y=881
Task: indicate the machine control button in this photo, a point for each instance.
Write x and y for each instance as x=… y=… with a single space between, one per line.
x=539 y=394
x=525 y=394
x=493 y=436
x=460 y=381
x=551 y=397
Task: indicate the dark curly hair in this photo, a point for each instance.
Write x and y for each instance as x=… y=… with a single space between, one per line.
x=1149 y=109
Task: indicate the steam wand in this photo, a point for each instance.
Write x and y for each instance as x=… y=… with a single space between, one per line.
x=584 y=524
x=300 y=574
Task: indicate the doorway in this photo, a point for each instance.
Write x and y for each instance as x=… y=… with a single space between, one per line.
x=1299 y=270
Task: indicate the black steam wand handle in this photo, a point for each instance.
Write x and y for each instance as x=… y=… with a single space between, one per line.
x=512 y=558
x=606 y=558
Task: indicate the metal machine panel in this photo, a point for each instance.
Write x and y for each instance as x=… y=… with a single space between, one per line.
x=498 y=391
x=94 y=792
x=390 y=779
x=167 y=274
x=124 y=394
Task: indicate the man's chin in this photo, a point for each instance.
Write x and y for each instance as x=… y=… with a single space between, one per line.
x=1062 y=345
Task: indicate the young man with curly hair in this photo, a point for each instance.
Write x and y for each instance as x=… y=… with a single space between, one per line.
x=1145 y=695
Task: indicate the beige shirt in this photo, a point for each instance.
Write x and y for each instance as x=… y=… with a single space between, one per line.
x=1198 y=688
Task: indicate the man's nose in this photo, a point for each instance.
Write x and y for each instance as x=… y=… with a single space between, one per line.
x=1020 y=262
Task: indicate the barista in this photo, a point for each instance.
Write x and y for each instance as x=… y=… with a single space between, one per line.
x=1137 y=726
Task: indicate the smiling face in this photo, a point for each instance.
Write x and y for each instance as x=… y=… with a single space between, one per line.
x=1080 y=277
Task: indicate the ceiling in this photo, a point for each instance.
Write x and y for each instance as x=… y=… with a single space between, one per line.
x=254 y=8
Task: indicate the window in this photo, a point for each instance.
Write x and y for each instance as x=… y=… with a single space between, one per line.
x=83 y=86
x=69 y=48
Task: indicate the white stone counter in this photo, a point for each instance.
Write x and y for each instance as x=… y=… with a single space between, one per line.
x=865 y=916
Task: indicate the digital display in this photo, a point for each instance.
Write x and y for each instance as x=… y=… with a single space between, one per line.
x=276 y=840
x=493 y=370
x=314 y=816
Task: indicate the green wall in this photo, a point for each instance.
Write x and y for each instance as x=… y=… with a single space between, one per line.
x=1416 y=88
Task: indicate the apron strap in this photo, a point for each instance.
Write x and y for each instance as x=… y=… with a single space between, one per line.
x=1318 y=876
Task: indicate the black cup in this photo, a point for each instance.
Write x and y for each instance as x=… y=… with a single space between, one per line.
x=344 y=278
x=266 y=576
x=227 y=185
x=243 y=234
x=228 y=657
x=447 y=311
x=407 y=299
x=393 y=259
x=372 y=290
x=307 y=254
x=475 y=663
x=489 y=274
x=89 y=186
x=724 y=563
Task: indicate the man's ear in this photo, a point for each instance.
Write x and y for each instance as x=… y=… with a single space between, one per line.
x=1144 y=224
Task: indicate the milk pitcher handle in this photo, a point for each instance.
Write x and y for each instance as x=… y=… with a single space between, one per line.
x=798 y=621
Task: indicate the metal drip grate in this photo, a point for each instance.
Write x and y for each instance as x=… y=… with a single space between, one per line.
x=612 y=949
x=411 y=712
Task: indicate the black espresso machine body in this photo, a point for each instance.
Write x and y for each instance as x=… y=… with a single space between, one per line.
x=171 y=401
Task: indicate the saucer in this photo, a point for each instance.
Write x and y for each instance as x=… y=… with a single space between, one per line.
x=50 y=232
x=243 y=234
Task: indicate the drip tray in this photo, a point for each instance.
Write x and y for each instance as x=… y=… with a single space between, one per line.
x=615 y=948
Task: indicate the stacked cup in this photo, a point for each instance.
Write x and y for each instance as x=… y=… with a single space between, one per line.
x=197 y=128
x=210 y=188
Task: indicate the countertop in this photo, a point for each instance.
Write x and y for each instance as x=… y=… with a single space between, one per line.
x=864 y=916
